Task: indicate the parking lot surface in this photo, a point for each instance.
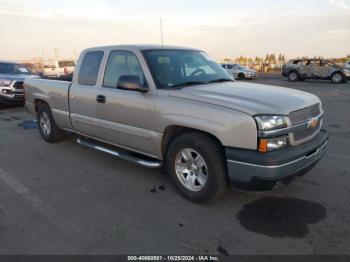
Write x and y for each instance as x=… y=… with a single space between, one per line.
x=66 y=199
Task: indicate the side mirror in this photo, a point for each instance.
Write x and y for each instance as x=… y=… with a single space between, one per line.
x=132 y=83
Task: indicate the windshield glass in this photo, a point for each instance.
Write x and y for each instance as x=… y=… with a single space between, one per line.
x=179 y=68
x=10 y=68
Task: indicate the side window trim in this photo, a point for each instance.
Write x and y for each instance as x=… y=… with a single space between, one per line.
x=106 y=65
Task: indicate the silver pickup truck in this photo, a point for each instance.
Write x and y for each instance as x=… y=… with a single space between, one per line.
x=177 y=108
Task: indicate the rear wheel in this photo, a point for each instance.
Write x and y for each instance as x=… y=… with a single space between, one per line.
x=293 y=76
x=196 y=164
x=48 y=129
x=337 y=78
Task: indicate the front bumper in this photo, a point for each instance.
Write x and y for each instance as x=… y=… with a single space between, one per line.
x=14 y=99
x=251 y=76
x=251 y=170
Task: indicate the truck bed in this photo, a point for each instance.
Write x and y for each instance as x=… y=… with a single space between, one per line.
x=54 y=92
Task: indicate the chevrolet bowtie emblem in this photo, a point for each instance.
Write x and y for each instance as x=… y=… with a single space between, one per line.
x=312 y=123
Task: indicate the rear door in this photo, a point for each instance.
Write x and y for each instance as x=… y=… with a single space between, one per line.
x=82 y=97
x=125 y=117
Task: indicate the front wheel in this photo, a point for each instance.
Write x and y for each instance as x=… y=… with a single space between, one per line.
x=337 y=78
x=196 y=164
x=293 y=76
x=48 y=129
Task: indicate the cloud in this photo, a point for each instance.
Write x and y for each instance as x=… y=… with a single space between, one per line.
x=345 y=4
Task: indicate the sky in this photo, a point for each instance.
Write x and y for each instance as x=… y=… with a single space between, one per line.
x=223 y=28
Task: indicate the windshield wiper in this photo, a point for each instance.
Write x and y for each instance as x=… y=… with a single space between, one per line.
x=189 y=83
x=221 y=80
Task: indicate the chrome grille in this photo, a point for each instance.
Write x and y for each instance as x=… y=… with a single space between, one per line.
x=309 y=132
x=304 y=114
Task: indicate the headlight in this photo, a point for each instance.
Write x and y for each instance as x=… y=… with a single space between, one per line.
x=5 y=82
x=269 y=144
x=267 y=123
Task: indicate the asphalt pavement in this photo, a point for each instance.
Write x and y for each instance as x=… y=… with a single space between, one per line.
x=66 y=199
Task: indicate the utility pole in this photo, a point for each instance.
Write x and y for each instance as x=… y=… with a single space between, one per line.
x=161 y=31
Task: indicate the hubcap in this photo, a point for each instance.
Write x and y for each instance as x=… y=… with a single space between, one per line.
x=337 y=78
x=293 y=76
x=191 y=169
x=45 y=124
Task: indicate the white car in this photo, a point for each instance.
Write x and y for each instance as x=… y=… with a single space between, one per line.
x=58 y=68
x=240 y=72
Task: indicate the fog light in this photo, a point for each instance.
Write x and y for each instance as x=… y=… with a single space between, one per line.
x=6 y=91
x=270 y=144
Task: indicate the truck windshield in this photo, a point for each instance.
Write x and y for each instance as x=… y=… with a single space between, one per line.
x=173 y=68
x=11 y=68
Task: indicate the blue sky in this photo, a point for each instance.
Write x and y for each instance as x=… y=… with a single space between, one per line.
x=224 y=28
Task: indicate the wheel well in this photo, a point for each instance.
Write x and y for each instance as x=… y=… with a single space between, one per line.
x=171 y=132
x=293 y=71
x=241 y=74
x=336 y=72
x=38 y=102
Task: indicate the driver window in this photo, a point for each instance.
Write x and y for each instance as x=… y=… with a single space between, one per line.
x=121 y=63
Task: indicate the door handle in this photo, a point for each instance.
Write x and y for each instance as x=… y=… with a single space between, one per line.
x=101 y=99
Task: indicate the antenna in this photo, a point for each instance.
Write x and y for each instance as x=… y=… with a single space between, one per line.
x=161 y=31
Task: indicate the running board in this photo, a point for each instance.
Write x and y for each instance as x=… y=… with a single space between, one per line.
x=124 y=156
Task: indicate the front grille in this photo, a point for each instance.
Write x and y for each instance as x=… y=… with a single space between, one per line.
x=18 y=85
x=309 y=132
x=304 y=114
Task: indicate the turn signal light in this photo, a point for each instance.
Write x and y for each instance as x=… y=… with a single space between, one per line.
x=263 y=145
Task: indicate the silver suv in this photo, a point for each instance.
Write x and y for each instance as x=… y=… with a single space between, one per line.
x=301 y=69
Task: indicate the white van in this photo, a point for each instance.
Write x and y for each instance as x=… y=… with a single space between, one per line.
x=57 y=68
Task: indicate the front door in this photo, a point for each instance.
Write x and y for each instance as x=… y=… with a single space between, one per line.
x=125 y=117
x=322 y=70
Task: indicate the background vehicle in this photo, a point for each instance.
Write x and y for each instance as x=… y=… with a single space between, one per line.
x=301 y=69
x=240 y=72
x=12 y=76
x=178 y=108
x=347 y=65
x=58 y=68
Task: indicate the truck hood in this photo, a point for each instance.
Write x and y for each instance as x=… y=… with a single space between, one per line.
x=249 y=98
x=15 y=77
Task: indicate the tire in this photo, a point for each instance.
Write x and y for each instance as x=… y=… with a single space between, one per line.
x=337 y=78
x=48 y=129
x=241 y=76
x=293 y=76
x=208 y=181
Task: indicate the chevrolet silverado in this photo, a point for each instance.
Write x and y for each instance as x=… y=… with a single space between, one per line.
x=172 y=107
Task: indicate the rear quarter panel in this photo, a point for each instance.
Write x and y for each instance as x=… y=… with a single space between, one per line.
x=54 y=93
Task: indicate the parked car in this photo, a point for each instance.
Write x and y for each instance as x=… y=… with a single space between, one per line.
x=12 y=76
x=301 y=69
x=177 y=108
x=347 y=65
x=58 y=68
x=240 y=72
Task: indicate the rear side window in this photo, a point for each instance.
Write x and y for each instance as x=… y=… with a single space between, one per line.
x=89 y=68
